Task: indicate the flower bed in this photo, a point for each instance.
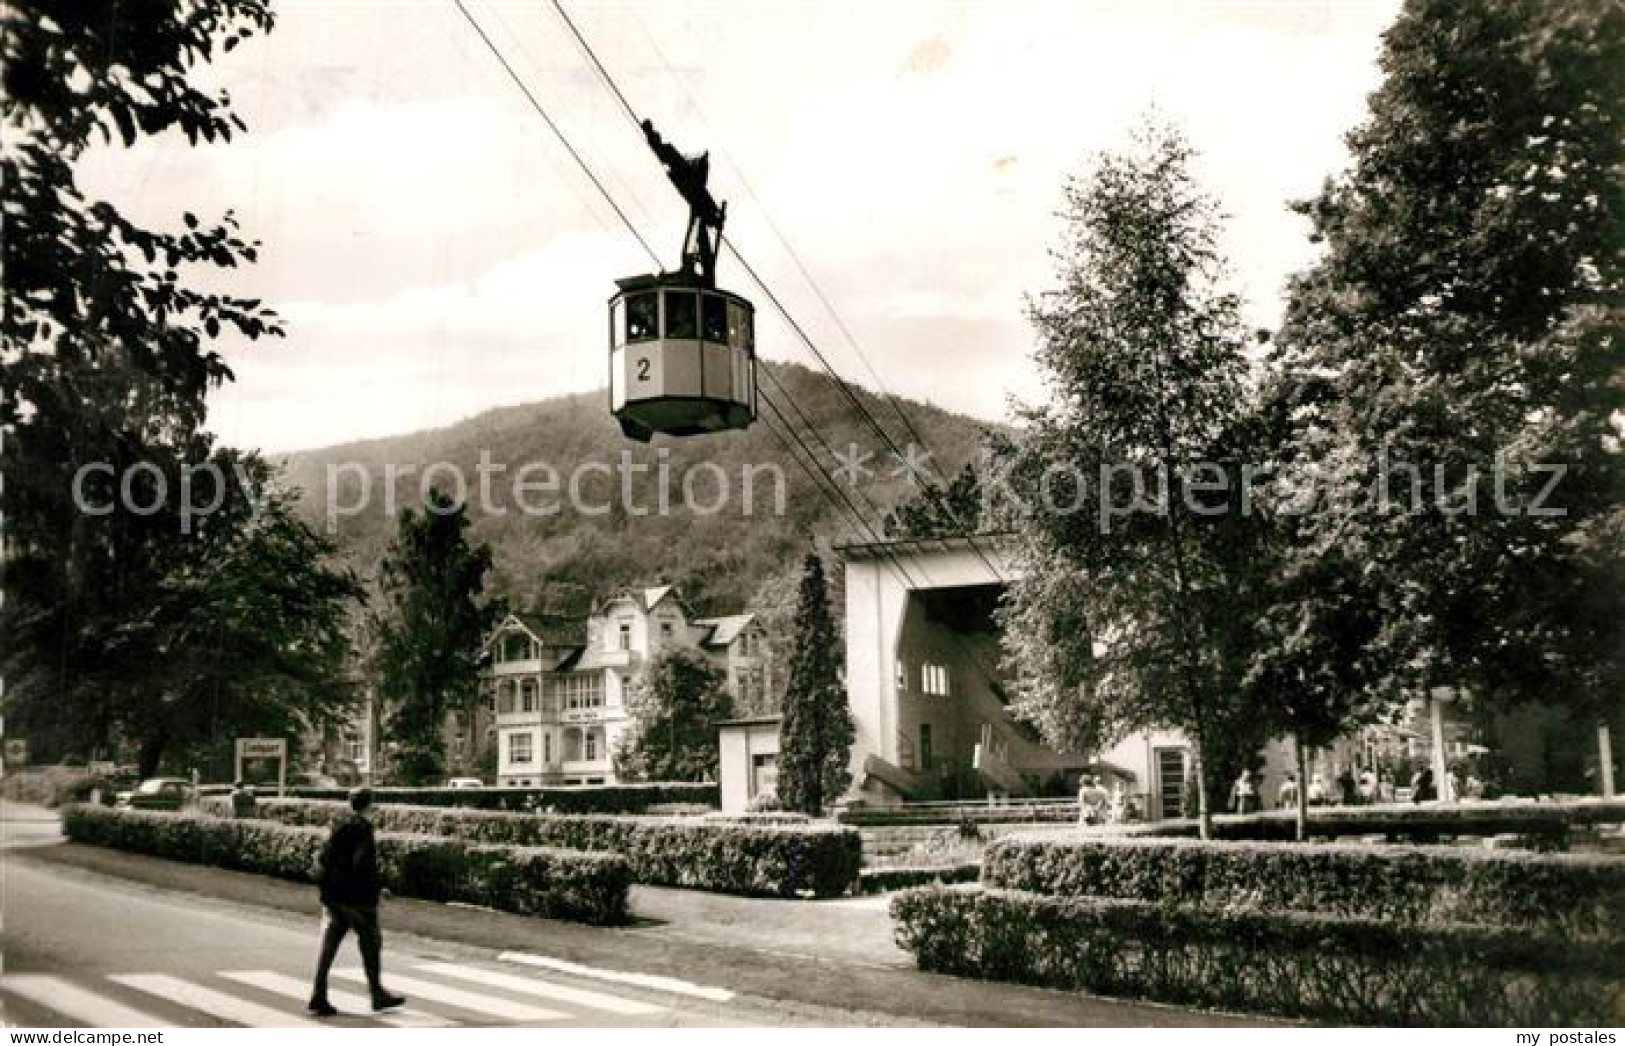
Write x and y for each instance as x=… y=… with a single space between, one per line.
x=885 y=880
x=528 y=880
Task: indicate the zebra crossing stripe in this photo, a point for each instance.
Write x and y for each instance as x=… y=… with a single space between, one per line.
x=81 y=1004
x=502 y=1009
x=545 y=989
x=640 y=980
x=214 y=1003
x=348 y=1003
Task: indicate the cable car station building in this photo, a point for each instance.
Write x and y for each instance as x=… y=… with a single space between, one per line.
x=927 y=697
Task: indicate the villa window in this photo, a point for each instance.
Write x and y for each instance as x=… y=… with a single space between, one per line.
x=583 y=691
x=934 y=680
x=626 y=636
x=527 y=696
x=592 y=746
x=516 y=646
x=521 y=748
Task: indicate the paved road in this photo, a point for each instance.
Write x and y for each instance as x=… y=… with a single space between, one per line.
x=88 y=930
x=86 y=950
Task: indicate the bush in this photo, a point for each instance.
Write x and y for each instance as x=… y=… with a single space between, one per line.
x=583 y=799
x=1584 y=895
x=1349 y=971
x=589 y=888
x=47 y=785
x=738 y=858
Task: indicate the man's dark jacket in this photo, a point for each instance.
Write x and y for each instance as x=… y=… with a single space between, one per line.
x=348 y=867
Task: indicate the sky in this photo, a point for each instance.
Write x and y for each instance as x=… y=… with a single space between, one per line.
x=434 y=250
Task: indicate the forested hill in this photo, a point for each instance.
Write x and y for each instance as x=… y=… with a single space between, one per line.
x=556 y=560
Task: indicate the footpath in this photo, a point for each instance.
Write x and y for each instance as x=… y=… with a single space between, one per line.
x=834 y=959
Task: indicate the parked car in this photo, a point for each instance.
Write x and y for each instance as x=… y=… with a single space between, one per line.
x=157 y=793
x=465 y=782
x=313 y=781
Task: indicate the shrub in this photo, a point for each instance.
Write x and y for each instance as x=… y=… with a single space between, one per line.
x=557 y=884
x=1411 y=884
x=738 y=858
x=1350 y=971
x=48 y=785
x=583 y=799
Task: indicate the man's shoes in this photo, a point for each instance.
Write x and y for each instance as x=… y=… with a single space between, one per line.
x=323 y=1008
x=385 y=1001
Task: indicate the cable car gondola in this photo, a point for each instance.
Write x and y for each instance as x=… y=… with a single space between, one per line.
x=682 y=354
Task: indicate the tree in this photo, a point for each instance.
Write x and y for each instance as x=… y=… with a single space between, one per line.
x=675 y=705
x=426 y=641
x=1123 y=488
x=106 y=349
x=816 y=731
x=936 y=512
x=249 y=627
x=1451 y=363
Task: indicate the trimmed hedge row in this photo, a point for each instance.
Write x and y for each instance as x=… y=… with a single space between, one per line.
x=557 y=884
x=750 y=859
x=574 y=799
x=1549 y=820
x=1581 y=894
x=1350 y=971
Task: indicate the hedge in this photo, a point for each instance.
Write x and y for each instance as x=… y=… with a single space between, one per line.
x=750 y=859
x=1349 y=971
x=557 y=884
x=576 y=799
x=1551 y=821
x=1412 y=884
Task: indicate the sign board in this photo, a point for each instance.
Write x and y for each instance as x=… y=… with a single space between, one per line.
x=261 y=748
x=16 y=751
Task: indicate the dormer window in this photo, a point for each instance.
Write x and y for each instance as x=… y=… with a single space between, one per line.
x=625 y=636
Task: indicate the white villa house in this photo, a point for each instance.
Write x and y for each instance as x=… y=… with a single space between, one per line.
x=555 y=690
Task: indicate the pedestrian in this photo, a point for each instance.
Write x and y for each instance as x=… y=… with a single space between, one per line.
x=347 y=872
x=1117 y=811
x=1348 y=791
x=1422 y=786
x=1243 y=796
x=1317 y=789
x=1092 y=799
x=243 y=801
x=1288 y=795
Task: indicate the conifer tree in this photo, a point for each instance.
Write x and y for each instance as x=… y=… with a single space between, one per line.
x=816 y=733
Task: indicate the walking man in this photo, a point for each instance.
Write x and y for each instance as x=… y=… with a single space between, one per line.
x=347 y=872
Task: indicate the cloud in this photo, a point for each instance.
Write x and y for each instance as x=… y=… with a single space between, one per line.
x=436 y=251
